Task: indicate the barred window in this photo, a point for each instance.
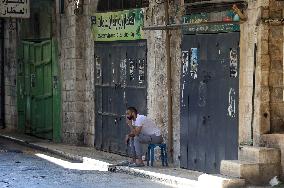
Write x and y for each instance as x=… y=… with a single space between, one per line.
x=114 y=5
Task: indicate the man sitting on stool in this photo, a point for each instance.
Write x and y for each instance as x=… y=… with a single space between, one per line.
x=142 y=131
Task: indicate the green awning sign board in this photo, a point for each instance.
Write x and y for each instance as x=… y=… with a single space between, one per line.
x=223 y=16
x=121 y=25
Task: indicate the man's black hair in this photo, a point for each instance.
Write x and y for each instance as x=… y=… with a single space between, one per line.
x=132 y=109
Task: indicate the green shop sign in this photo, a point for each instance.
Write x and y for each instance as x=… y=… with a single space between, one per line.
x=121 y=25
x=224 y=16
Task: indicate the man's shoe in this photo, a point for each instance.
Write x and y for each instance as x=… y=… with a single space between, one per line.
x=136 y=165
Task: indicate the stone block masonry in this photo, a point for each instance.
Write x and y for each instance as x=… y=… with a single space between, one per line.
x=157 y=72
x=77 y=68
x=10 y=74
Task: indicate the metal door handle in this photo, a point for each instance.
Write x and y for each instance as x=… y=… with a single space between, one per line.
x=204 y=120
x=117 y=85
x=55 y=82
x=206 y=78
x=33 y=77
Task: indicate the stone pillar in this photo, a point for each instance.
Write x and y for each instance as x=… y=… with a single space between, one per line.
x=176 y=13
x=90 y=8
x=156 y=66
x=10 y=72
x=247 y=42
x=76 y=62
x=157 y=100
x=276 y=68
x=269 y=104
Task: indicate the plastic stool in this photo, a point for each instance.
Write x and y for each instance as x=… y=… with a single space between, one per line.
x=151 y=154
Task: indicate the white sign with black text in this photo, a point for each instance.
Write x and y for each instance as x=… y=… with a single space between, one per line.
x=15 y=8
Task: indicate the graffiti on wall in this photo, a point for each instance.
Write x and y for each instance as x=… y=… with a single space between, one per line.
x=233 y=63
x=131 y=70
x=121 y=25
x=137 y=66
x=202 y=94
x=141 y=72
x=193 y=63
x=223 y=16
x=98 y=68
x=232 y=103
x=185 y=62
x=123 y=72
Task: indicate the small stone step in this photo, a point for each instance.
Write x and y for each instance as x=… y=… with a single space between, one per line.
x=254 y=173
x=275 y=141
x=272 y=140
x=259 y=154
x=220 y=181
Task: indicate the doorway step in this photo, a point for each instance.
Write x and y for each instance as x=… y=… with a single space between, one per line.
x=257 y=165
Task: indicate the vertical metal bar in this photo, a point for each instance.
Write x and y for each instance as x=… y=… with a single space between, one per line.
x=2 y=123
x=61 y=6
x=169 y=82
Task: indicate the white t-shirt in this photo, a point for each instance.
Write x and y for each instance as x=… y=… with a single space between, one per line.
x=149 y=127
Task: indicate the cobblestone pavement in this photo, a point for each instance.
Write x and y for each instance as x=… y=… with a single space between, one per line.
x=20 y=167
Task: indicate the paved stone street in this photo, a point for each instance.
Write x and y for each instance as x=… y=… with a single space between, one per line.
x=21 y=167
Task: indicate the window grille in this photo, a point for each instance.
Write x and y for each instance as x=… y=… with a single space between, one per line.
x=115 y=5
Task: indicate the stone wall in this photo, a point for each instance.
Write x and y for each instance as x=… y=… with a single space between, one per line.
x=261 y=53
x=10 y=72
x=261 y=111
x=176 y=38
x=90 y=8
x=71 y=63
x=157 y=66
x=157 y=72
x=268 y=101
x=275 y=46
x=76 y=61
x=248 y=111
x=264 y=110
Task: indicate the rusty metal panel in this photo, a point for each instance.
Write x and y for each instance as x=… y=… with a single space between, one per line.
x=120 y=81
x=209 y=100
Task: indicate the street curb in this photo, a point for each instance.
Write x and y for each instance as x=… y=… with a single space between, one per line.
x=164 y=179
x=161 y=178
x=75 y=158
x=202 y=182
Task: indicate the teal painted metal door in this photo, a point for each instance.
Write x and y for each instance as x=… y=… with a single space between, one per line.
x=38 y=90
x=41 y=90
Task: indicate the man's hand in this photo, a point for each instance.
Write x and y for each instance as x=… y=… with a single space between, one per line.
x=128 y=122
x=239 y=12
x=126 y=139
